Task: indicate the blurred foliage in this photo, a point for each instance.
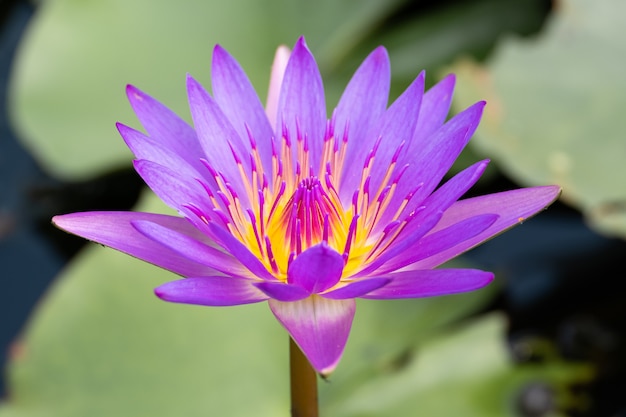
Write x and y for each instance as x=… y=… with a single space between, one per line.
x=555 y=103
x=68 y=86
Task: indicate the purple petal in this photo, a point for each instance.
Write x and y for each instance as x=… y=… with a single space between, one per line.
x=114 y=229
x=218 y=137
x=283 y=292
x=144 y=147
x=241 y=252
x=191 y=248
x=164 y=126
x=319 y=326
x=447 y=194
x=356 y=288
x=396 y=127
x=439 y=241
x=433 y=158
x=425 y=220
x=431 y=283
x=240 y=103
x=361 y=106
x=211 y=291
x=170 y=186
x=281 y=58
x=302 y=107
x=434 y=109
x=513 y=207
x=316 y=269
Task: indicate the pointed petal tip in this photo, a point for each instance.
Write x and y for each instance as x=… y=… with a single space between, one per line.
x=550 y=193
x=218 y=49
x=67 y=222
x=219 y=54
x=320 y=327
x=301 y=41
x=449 y=80
x=380 y=54
x=134 y=94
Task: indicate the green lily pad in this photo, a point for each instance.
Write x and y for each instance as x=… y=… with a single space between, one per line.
x=69 y=77
x=466 y=372
x=554 y=108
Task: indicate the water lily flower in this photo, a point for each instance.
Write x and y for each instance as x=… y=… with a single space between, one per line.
x=308 y=212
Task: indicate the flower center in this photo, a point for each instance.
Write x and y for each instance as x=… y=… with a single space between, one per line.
x=308 y=216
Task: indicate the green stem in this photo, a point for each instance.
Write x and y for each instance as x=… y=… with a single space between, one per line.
x=303 y=384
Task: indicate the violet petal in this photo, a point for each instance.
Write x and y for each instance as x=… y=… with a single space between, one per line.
x=282 y=292
x=356 y=288
x=211 y=291
x=439 y=241
x=218 y=137
x=431 y=283
x=316 y=269
x=397 y=127
x=114 y=229
x=239 y=101
x=432 y=160
x=173 y=188
x=319 y=326
x=281 y=58
x=302 y=106
x=513 y=207
x=164 y=126
x=361 y=106
x=150 y=149
x=241 y=252
x=191 y=248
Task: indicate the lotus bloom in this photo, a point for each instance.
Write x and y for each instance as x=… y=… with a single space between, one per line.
x=308 y=212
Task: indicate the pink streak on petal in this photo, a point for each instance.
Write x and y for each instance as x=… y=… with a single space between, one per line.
x=239 y=101
x=437 y=242
x=276 y=80
x=356 y=288
x=302 y=102
x=431 y=163
x=361 y=106
x=164 y=126
x=151 y=149
x=431 y=283
x=191 y=248
x=319 y=326
x=316 y=269
x=170 y=186
x=114 y=229
x=211 y=291
x=513 y=207
x=218 y=137
x=397 y=126
x=283 y=292
x=434 y=110
x=241 y=252
x=442 y=149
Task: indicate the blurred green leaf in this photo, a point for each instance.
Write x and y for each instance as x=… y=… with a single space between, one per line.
x=554 y=112
x=68 y=82
x=466 y=372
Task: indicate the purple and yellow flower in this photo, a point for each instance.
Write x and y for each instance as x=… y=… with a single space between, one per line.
x=286 y=205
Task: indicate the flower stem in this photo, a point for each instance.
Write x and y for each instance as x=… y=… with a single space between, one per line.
x=303 y=384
